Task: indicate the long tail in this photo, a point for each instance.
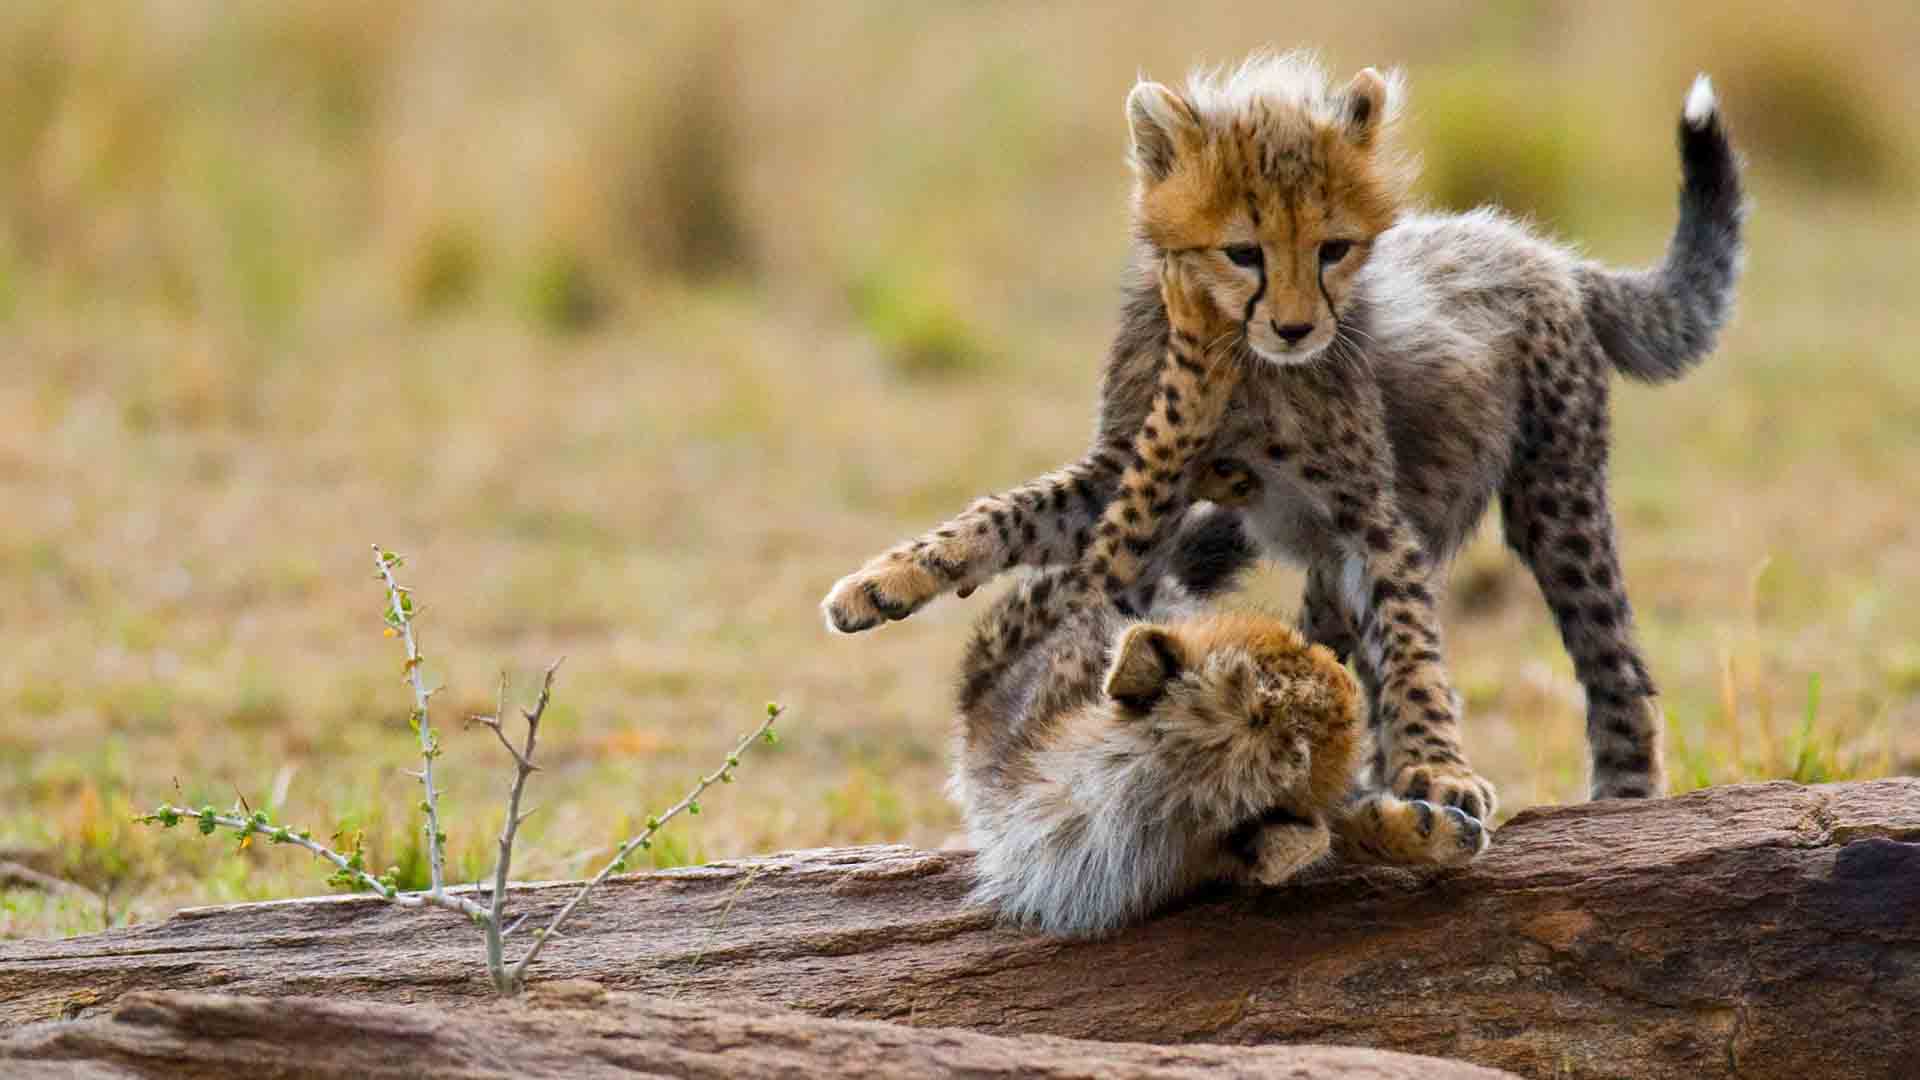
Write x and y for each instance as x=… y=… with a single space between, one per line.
x=1657 y=324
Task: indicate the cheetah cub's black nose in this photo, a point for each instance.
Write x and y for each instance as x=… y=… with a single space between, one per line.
x=1293 y=332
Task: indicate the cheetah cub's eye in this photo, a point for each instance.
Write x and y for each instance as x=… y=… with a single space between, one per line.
x=1333 y=251
x=1247 y=255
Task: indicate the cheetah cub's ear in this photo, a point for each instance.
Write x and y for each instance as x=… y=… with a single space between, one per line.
x=1163 y=126
x=1146 y=660
x=1364 y=105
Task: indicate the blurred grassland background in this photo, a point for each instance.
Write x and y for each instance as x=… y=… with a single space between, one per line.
x=635 y=326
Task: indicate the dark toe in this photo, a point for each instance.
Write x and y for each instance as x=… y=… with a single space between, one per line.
x=846 y=623
x=1469 y=803
x=1468 y=831
x=892 y=609
x=1425 y=812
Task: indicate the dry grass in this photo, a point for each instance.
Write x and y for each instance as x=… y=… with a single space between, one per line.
x=435 y=273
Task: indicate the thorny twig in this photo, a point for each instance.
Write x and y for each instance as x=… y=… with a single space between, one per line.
x=690 y=803
x=400 y=620
x=350 y=867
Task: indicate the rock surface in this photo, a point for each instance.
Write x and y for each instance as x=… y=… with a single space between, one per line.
x=1767 y=930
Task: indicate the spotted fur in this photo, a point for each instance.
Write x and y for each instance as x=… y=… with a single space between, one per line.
x=1445 y=360
x=1117 y=745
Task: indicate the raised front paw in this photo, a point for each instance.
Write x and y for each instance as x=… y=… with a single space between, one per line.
x=1227 y=482
x=890 y=587
x=1447 y=785
x=1411 y=832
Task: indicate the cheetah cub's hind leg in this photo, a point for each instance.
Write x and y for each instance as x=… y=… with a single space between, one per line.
x=1381 y=827
x=1274 y=847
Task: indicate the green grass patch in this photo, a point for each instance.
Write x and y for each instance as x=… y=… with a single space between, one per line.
x=919 y=329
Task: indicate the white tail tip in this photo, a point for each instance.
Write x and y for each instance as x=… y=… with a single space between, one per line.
x=1700 y=103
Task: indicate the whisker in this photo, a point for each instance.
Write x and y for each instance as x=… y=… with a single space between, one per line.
x=1347 y=328
x=1212 y=351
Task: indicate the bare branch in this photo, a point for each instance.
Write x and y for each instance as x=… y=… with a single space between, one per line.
x=506 y=980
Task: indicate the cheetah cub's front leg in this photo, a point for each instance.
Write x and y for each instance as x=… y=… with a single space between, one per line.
x=1382 y=827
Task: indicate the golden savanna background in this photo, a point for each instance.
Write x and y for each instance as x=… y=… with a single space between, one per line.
x=636 y=325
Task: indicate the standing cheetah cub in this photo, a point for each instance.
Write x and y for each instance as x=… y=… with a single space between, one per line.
x=1107 y=765
x=1414 y=366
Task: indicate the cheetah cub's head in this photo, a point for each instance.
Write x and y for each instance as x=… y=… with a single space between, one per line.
x=1239 y=714
x=1280 y=180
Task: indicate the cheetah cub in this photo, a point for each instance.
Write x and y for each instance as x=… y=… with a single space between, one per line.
x=1413 y=367
x=1117 y=746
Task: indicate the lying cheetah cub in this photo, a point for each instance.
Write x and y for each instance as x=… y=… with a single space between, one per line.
x=1107 y=765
